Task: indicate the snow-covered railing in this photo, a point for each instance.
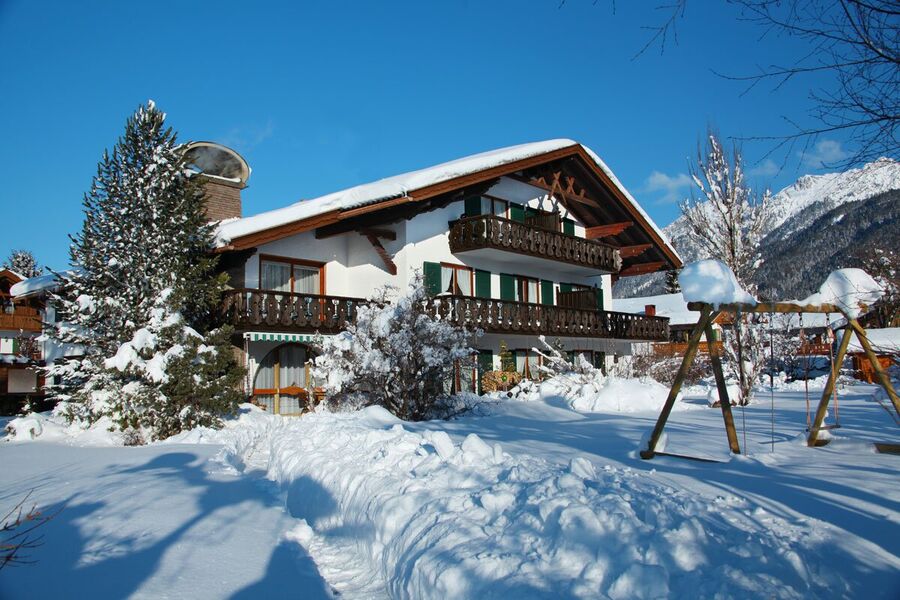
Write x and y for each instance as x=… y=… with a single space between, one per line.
x=264 y=309
x=490 y=231
x=504 y=316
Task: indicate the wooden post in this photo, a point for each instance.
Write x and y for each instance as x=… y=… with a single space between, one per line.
x=829 y=388
x=706 y=317
x=880 y=373
x=277 y=399
x=724 y=400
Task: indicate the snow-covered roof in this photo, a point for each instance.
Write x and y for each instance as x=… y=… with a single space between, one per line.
x=399 y=186
x=673 y=306
x=41 y=283
x=885 y=340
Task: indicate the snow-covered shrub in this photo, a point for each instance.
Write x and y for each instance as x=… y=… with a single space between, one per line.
x=144 y=286
x=568 y=378
x=397 y=354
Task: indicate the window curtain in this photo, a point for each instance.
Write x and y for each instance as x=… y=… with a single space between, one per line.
x=534 y=373
x=520 y=362
x=464 y=281
x=292 y=370
x=265 y=374
x=446 y=279
x=306 y=280
x=533 y=296
x=276 y=276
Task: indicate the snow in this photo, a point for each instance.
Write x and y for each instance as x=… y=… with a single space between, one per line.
x=712 y=282
x=533 y=500
x=41 y=283
x=672 y=306
x=849 y=290
x=883 y=341
x=405 y=184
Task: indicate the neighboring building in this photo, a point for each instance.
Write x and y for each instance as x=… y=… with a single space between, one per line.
x=886 y=345
x=681 y=321
x=520 y=242
x=20 y=351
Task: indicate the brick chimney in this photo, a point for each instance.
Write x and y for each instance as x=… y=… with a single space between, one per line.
x=650 y=310
x=223 y=198
x=224 y=174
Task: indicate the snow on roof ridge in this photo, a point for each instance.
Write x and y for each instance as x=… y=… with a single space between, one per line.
x=399 y=185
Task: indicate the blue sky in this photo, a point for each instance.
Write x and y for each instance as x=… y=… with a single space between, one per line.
x=324 y=95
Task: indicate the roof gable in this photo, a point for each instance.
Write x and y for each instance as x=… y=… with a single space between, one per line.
x=421 y=185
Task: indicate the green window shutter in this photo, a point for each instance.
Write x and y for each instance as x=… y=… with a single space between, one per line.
x=473 y=206
x=517 y=212
x=568 y=226
x=432 y=276
x=482 y=284
x=546 y=292
x=15 y=345
x=507 y=287
x=599 y=292
x=565 y=287
x=530 y=211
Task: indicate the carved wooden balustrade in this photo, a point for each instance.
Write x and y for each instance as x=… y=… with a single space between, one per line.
x=489 y=231
x=503 y=316
x=283 y=311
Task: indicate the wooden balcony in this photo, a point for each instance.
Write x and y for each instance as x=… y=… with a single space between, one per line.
x=503 y=316
x=489 y=231
x=262 y=310
x=24 y=318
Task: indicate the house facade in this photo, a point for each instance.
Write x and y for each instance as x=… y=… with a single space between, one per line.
x=519 y=242
x=21 y=351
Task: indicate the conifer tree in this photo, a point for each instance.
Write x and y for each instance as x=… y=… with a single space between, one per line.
x=23 y=263
x=672 y=285
x=142 y=289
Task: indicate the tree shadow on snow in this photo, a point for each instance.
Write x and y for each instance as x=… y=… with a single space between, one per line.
x=75 y=560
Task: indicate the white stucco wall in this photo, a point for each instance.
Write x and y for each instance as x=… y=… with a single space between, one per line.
x=353 y=268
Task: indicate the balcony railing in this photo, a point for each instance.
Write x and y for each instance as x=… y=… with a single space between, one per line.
x=489 y=231
x=27 y=321
x=281 y=311
x=503 y=316
x=284 y=311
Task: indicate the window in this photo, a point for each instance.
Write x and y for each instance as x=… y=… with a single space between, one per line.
x=456 y=280
x=528 y=290
x=528 y=364
x=291 y=275
x=283 y=380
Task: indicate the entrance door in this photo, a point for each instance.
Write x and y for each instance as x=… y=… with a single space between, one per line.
x=283 y=383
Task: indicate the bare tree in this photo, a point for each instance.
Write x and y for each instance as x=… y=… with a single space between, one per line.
x=17 y=533
x=856 y=42
x=728 y=219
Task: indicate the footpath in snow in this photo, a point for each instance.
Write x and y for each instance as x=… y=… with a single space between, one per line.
x=535 y=500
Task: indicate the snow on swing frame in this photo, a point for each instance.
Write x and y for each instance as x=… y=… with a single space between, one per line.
x=711 y=288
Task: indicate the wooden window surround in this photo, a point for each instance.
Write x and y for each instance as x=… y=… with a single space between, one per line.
x=293 y=262
x=460 y=271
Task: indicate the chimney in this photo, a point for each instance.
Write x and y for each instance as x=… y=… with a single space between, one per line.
x=223 y=173
x=650 y=310
x=223 y=198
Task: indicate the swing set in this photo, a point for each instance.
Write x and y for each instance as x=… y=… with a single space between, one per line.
x=708 y=314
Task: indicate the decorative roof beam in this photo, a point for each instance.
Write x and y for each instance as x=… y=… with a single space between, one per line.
x=641 y=268
x=385 y=257
x=610 y=230
x=636 y=250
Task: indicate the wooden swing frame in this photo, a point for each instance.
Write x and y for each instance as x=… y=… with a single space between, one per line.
x=709 y=313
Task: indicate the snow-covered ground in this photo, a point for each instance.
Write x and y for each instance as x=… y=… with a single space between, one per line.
x=533 y=500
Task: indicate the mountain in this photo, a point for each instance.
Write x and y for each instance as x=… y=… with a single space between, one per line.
x=817 y=224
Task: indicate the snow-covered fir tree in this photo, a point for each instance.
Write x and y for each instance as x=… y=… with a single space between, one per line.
x=23 y=263
x=397 y=354
x=143 y=289
x=728 y=221
x=672 y=285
